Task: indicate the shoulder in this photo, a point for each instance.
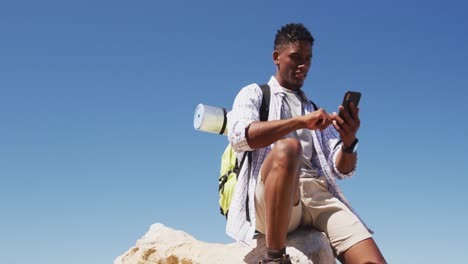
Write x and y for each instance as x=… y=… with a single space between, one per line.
x=250 y=91
x=253 y=87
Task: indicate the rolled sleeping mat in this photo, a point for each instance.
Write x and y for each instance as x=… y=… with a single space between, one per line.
x=210 y=119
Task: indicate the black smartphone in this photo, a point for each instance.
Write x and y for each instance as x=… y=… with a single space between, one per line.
x=350 y=96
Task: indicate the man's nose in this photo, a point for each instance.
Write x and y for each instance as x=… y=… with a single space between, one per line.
x=303 y=67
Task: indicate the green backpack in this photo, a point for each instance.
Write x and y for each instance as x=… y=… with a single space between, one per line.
x=230 y=167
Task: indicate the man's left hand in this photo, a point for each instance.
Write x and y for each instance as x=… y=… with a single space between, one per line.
x=348 y=126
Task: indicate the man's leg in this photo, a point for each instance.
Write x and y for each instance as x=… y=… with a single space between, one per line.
x=365 y=251
x=280 y=172
x=349 y=238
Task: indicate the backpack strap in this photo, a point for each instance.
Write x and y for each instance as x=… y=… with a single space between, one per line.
x=314 y=105
x=265 y=107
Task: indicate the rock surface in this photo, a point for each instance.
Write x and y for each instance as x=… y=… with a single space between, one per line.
x=163 y=245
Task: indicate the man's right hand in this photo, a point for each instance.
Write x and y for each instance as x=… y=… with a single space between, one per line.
x=318 y=119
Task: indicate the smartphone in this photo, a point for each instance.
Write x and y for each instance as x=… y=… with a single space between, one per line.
x=350 y=96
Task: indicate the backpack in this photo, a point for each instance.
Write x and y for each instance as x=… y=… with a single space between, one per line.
x=230 y=167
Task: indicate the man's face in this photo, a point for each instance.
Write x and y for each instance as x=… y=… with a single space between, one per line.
x=292 y=64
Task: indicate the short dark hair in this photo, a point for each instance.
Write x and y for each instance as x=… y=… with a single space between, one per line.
x=292 y=33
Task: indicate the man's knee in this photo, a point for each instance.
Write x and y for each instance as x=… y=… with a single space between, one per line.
x=287 y=150
x=283 y=160
x=366 y=251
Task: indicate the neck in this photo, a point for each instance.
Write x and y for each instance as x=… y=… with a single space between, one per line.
x=287 y=85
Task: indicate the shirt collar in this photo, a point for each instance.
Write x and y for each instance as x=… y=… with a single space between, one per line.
x=276 y=88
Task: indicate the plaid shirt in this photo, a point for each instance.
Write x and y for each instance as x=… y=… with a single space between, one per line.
x=245 y=111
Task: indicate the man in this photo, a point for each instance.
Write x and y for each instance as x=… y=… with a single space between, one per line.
x=296 y=156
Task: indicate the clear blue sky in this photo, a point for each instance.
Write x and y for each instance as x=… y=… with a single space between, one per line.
x=96 y=118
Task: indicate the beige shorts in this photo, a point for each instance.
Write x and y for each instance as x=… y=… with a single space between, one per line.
x=320 y=209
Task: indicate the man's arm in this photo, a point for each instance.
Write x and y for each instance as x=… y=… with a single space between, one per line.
x=262 y=134
x=346 y=162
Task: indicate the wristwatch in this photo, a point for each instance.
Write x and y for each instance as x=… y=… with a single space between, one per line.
x=352 y=148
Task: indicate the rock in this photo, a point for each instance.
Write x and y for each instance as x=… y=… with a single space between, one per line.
x=163 y=245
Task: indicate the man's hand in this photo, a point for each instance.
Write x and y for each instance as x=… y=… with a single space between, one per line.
x=348 y=126
x=319 y=119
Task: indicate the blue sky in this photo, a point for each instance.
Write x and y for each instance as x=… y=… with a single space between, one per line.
x=96 y=118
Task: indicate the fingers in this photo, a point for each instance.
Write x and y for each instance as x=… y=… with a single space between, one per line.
x=325 y=123
x=338 y=122
x=354 y=112
x=324 y=120
x=345 y=122
x=319 y=119
x=354 y=122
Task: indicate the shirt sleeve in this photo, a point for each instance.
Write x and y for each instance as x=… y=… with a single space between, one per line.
x=332 y=147
x=245 y=110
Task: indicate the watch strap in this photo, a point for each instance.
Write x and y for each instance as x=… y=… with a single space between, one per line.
x=351 y=148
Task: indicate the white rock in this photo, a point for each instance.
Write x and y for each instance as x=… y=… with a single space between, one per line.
x=163 y=245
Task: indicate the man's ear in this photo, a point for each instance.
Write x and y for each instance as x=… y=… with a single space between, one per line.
x=275 y=57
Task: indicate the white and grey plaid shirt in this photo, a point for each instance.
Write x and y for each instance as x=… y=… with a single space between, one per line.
x=245 y=111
